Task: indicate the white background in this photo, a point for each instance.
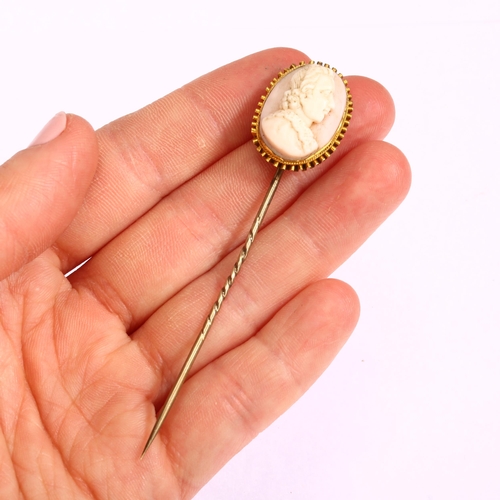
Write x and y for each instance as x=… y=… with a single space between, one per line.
x=410 y=408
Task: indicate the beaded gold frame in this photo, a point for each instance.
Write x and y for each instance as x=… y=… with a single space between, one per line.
x=320 y=155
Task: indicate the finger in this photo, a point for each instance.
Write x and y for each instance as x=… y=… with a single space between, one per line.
x=147 y=154
x=307 y=242
x=42 y=187
x=199 y=223
x=241 y=393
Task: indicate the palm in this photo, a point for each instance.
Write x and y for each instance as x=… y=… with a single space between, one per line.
x=78 y=386
x=86 y=360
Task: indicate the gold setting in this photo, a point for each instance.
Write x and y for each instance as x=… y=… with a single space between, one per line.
x=282 y=165
x=320 y=155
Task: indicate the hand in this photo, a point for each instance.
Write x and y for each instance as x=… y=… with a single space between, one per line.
x=162 y=200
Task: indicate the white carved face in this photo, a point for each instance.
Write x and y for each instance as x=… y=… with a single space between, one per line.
x=318 y=101
x=297 y=132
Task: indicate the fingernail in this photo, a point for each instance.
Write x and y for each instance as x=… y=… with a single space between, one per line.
x=52 y=130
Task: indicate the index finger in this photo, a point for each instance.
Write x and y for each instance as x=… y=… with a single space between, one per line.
x=147 y=154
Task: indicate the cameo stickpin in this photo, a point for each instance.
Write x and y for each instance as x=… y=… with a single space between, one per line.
x=298 y=124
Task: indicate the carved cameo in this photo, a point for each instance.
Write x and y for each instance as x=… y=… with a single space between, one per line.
x=303 y=116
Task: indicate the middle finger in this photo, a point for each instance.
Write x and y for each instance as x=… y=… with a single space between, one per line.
x=199 y=223
x=315 y=235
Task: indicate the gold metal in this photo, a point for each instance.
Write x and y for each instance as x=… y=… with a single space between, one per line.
x=215 y=309
x=281 y=164
x=317 y=157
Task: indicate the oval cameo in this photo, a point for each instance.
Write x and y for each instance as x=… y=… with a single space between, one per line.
x=303 y=116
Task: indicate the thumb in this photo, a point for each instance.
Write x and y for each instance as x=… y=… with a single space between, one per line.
x=42 y=187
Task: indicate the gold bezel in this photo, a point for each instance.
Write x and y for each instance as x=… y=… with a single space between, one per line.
x=320 y=155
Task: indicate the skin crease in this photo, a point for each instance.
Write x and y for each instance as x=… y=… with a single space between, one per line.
x=85 y=361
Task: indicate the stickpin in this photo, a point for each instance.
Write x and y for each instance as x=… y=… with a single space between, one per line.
x=297 y=125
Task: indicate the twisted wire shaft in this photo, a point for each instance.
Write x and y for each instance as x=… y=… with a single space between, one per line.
x=215 y=309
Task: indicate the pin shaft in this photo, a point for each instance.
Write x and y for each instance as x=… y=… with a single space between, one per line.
x=215 y=309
